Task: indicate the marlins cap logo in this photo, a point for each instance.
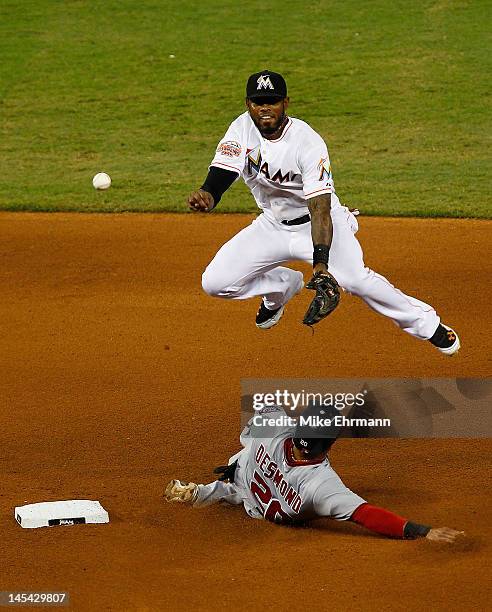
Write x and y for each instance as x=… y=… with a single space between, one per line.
x=264 y=82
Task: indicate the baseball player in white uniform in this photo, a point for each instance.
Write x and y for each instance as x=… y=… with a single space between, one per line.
x=286 y=165
x=287 y=478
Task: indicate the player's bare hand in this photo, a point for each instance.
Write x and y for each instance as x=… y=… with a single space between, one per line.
x=444 y=534
x=201 y=201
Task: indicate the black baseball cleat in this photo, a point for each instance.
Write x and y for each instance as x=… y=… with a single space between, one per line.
x=446 y=340
x=266 y=318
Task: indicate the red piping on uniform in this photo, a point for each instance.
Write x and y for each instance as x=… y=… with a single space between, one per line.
x=220 y=165
x=325 y=189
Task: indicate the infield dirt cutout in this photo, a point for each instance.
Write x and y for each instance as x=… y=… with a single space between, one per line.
x=119 y=373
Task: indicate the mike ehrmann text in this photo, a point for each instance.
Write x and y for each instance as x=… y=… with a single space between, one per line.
x=339 y=420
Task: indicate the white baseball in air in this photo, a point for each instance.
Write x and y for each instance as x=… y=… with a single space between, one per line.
x=101 y=181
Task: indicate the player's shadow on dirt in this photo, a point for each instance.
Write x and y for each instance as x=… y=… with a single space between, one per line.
x=375 y=494
x=232 y=520
x=330 y=526
x=468 y=544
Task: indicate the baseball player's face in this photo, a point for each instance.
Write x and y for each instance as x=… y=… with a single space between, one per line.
x=267 y=113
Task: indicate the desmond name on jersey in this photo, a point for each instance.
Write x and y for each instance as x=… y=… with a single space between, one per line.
x=255 y=166
x=270 y=470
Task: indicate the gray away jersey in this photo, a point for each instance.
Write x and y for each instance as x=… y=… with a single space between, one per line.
x=274 y=486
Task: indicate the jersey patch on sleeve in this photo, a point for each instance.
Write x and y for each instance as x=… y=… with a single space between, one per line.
x=324 y=168
x=230 y=148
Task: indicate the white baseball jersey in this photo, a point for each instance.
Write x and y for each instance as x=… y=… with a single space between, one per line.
x=273 y=485
x=282 y=174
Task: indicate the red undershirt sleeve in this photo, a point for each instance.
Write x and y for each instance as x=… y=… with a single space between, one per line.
x=379 y=520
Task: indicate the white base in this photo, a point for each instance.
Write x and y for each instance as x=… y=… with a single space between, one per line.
x=70 y=512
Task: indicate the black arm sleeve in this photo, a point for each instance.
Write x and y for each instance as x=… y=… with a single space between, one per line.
x=218 y=181
x=414 y=530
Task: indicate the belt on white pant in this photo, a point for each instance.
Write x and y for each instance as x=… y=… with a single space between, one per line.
x=298 y=221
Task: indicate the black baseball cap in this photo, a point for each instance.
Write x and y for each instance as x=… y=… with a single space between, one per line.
x=266 y=84
x=314 y=438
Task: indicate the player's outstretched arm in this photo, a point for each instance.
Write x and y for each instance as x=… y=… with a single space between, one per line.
x=388 y=523
x=208 y=196
x=201 y=201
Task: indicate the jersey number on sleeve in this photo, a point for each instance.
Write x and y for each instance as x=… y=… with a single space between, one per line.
x=270 y=506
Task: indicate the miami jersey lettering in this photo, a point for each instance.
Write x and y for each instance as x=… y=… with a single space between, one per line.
x=282 y=174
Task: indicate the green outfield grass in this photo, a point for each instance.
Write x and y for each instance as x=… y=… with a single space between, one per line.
x=398 y=90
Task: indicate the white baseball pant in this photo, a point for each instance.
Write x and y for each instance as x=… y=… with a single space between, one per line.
x=249 y=265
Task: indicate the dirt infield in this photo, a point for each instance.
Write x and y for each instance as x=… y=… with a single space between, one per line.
x=119 y=373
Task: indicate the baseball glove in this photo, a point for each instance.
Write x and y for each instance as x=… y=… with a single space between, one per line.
x=326 y=299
